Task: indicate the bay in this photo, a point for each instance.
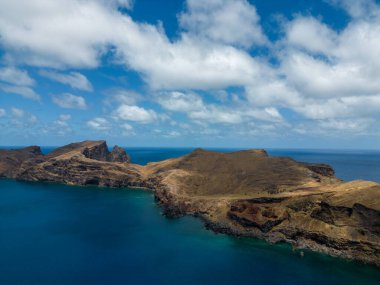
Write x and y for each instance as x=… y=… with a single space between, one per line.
x=57 y=234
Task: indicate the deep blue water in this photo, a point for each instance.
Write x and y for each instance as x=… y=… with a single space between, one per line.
x=56 y=234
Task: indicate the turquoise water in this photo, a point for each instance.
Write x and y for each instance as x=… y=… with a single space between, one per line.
x=56 y=234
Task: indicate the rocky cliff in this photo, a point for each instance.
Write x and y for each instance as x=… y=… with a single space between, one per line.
x=245 y=193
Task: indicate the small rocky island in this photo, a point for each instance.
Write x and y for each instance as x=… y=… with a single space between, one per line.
x=245 y=193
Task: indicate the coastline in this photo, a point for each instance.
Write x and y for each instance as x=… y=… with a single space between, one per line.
x=305 y=206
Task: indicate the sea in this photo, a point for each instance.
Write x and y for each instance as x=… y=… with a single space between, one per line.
x=54 y=234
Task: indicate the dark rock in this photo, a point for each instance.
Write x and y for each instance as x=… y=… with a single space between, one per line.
x=322 y=169
x=98 y=152
x=118 y=155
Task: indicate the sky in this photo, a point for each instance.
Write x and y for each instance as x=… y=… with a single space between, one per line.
x=189 y=73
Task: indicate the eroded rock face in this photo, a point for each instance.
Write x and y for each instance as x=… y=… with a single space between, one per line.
x=118 y=155
x=11 y=160
x=245 y=193
x=322 y=169
x=263 y=216
x=85 y=163
x=97 y=152
x=251 y=194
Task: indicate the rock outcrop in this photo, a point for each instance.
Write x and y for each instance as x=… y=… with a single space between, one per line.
x=245 y=193
x=249 y=193
x=118 y=155
x=11 y=160
x=85 y=163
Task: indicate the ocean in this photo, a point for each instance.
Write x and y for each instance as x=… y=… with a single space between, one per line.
x=57 y=234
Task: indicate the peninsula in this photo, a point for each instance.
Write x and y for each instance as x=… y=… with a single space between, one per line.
x=244 y=193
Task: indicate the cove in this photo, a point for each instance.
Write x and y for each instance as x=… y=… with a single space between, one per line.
x=57 y=234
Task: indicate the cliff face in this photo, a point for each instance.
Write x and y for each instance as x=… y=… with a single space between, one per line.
x=249 y=193
x=85 y=163
x=245 y=193
x=10 y=160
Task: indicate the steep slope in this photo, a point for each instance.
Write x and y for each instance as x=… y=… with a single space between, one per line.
x=85 y=163
x=251 y=194
x=11 y=160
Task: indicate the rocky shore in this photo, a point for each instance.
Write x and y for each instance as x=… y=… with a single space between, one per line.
x=245 y=193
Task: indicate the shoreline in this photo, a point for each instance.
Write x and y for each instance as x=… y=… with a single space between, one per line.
x=244 y=194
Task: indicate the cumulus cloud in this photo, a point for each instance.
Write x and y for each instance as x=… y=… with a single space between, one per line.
x=24 y=91
x=346 y=107
x=47 y=28
x=181 y=102
x=348 y=64
x=15 y=76
x=21 y=119
x=127 y=127
x=321 y=73
x=121 y=96
x=16 y=81
x=60 y=126
x=217 y=115
x=62 y=120
x=357 y=125
x=229 y=22
x=99 y=124
x=136 y=114
x=311 y=34
x=358 y=8
x=75 y=80
x=186 y=63
x=196 y=109
x=69 y=101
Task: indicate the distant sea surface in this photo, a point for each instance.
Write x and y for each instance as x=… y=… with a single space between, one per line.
x=57 y=234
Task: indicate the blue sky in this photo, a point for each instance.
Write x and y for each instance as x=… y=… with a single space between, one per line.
x=217 y=73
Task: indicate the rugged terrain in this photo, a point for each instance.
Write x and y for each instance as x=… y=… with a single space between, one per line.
x=245 y=193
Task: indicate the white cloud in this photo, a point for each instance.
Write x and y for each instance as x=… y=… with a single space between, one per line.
x=121 y=3
x=99 y=124
x=17 y=113
x=2 y=112
x=349 y=66
x=172 y=134
x=60 y=126
x=74 y=79
x=322 y=73
x=266 y=114
x=69 y=101
x=15 y=76
x=38 y=32
x=345 y=125
x=122 y=96
x=311 y=34
x=217 y=115
x=135 y=114
x=64 y=117
x=63 y=121
x=196 y=109
x=188 y=63
x=358 y=8
x=181 y=102
x=46 y=29
x=127 y=130
x=229 y=22
x=24 y=91
x=347 y=107
x=21 y=118
x=127 y=127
